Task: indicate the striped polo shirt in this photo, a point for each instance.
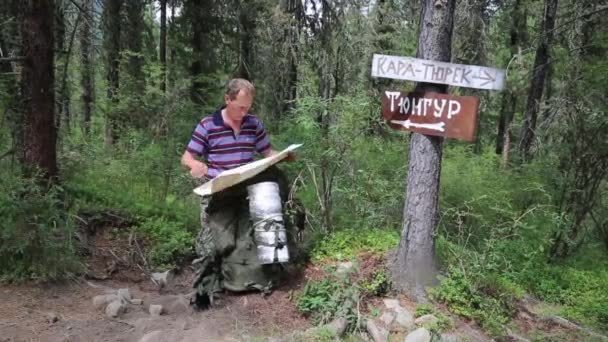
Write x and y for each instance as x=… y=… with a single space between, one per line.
x=221 y=148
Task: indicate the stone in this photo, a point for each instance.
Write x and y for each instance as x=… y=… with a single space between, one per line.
x=52 y=317
x=450 y=338
x=404 y=320
x=337 y=326
x=115 y=308
x=153 y=336
x=377 y=333
x=137 y=301
x=156 y=310
x=344 y=267
x=124 y=295
x=391 y=303
x=172 y=304
x=419 y=335
x=387 y=318
x=101 y=301
x=426 y=319
x=162 y=279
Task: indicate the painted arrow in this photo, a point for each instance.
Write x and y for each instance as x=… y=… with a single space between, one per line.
x=407 y=124
x=488 y=78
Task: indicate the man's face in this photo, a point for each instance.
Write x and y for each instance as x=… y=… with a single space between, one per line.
x=238 y=107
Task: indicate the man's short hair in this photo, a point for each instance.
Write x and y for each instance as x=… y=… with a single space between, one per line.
x=235 y=85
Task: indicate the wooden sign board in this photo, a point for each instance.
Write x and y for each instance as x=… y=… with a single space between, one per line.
x=432 y=114
x=235 y=176
x=422 y=70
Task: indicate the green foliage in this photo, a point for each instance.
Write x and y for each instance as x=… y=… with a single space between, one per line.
x=329 y=298
x=146 y=183
x=345 y=244
x=465 y=298
x=36 y=232
x=171 y=239
x=378 y=284
x=443 y=322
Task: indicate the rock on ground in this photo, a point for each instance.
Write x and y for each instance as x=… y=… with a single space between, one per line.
x=426 y=319
x=419 y=335
x=115 y=308
x=100 y=302
x=377 y=333
x=156 y=310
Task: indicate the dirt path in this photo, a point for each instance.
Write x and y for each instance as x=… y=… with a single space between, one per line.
x=66 y=313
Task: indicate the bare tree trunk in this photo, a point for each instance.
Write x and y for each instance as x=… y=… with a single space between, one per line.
x=415 y=267
x=201 y=17
x=38 y=92
x=163 y=45
x=295 y=10
x=60 y=33
x=324 y=116
x=133 y=33
x=10 y=40
x=112 y=47
x=65 y=90
x=541 y=65
x=509 y=98
x=87 y=75
x=247 y=15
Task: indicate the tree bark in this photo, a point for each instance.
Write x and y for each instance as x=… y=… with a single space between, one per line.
x=296 y=12
x=134 y=43
x=517 y=34
x=112 y=47
x=163 y=45
x=88 y=73
x=415 y=266
x=535 y=93
x=247 y=15
x=38 y=91
x=10 y=59
x=201 y=18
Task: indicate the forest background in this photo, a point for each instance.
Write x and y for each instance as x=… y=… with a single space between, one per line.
x=523 y=210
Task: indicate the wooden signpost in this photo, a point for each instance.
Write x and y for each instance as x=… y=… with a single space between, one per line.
x=432 y=113
x=421 y=70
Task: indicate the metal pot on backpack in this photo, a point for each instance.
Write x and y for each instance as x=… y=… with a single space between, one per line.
x=266 y=214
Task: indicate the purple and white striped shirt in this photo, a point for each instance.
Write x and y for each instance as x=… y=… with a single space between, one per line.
x=221 y=148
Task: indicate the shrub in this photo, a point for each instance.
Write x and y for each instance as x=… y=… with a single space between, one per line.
x=36 y=232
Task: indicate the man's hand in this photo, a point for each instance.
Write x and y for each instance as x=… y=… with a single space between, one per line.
x=198 y=170
x=291 y=156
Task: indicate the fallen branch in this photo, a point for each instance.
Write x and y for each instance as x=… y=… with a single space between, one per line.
x=12 y=59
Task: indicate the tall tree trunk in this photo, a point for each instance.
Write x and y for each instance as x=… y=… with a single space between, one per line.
x=415 y=266
x=60 y=33
x=38 y=91
x=247 y=15
x=87 y=74
x=134 y=43
x=10 y=41
x=201 y=17
x=324 y=116
x=517 y=35
x=112 y=47
x=541 y=65
x=65 y=89
x=295 y=11
x=163 y=45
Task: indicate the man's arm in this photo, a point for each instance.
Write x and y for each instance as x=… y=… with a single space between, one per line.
x=198 y=169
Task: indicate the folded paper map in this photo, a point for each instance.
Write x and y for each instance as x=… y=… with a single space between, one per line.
x=234 y=176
